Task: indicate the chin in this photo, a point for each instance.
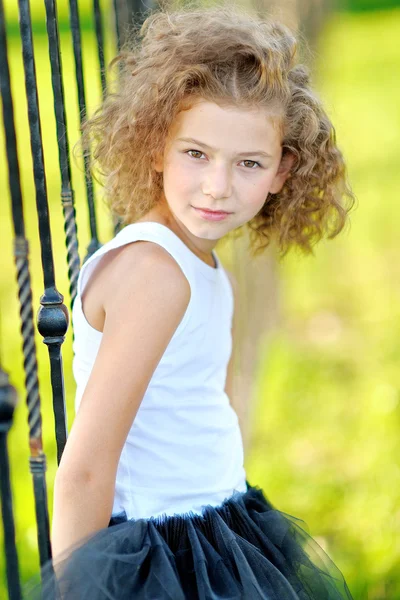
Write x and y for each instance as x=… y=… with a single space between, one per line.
x=209 y=232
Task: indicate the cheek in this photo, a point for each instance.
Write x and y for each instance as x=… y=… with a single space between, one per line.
x=178 y=178
x=251 y=209
x=257 y=194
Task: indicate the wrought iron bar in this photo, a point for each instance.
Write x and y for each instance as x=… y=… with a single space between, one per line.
x=77 y=48
x=98 y=21
x=99 y=30
x=67 y=192
x=53 y=316
x=37 y=457
x=8 y=399
x=117 y=20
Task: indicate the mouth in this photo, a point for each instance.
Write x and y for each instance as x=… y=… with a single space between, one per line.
x=211 y=215
x=213 y=212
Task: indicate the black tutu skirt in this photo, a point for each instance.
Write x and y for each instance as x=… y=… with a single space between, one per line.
x=243 y=548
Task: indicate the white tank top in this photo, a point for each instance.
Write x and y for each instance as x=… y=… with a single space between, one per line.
x=184 y=449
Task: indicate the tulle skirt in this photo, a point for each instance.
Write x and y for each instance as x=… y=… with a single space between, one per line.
x=242 y=549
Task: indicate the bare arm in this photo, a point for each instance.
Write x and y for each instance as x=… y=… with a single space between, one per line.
x=144 y=302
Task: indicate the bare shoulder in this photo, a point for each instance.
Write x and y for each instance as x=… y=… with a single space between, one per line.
x=145 y=282
x=146 y=289
x=146 y=263
x=122 y=271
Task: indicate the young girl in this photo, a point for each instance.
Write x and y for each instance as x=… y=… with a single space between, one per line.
x=214 y=127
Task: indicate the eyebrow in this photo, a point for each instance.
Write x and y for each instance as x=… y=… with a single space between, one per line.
x=250 y=153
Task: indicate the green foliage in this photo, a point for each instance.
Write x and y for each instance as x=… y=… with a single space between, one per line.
x=328 y=412
x=367 y=5
x=326 y=421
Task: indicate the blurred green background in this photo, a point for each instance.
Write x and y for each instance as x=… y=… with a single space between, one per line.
x=326 y=433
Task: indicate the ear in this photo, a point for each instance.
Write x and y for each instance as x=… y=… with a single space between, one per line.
x=283 y=172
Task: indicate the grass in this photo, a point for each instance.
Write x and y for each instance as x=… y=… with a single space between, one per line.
x=327 y=415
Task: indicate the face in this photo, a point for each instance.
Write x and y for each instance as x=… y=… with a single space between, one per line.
x=220 y=159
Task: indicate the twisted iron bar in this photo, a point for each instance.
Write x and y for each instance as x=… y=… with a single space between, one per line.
x=37 y=459
x=28 y=343
x=71 y=238
x=53 y=317
x=67 y=194
x=8 y=399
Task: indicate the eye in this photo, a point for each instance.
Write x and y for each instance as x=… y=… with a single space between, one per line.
x=196 y=151
x=247 y=161
x=254 y=163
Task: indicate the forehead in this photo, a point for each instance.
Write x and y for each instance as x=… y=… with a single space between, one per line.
x=227 y=127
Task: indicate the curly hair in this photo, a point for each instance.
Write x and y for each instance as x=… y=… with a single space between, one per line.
x=223 y=55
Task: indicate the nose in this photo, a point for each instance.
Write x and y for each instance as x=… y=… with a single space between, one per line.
x=218 y=182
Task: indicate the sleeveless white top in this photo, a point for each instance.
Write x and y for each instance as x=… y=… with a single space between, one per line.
x=184 y=449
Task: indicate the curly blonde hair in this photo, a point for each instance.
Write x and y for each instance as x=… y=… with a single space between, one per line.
x=226 y=56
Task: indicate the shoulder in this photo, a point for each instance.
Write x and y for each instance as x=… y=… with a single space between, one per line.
x=143 y=257
x=145 y=269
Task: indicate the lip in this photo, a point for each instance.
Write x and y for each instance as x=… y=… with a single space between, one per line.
x=212 y=215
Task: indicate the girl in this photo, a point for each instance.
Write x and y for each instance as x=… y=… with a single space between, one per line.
x=214 y=127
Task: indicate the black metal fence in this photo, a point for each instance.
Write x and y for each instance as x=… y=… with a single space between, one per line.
x=53 y=315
